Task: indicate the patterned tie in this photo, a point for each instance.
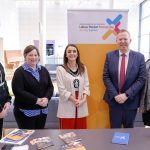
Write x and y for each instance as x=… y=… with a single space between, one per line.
x=122 y=72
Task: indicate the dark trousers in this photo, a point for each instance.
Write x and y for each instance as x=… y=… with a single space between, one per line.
x=120 y=116
x=146 y=118
x=1 y=127
x=24 y=122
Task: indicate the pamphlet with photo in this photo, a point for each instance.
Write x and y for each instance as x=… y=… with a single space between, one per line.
x=72 y=141
x=41 y=143
x=17 y=136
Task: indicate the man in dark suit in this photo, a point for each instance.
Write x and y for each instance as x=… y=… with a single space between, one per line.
x=124 y=76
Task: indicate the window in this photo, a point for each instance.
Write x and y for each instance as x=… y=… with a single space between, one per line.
x=144 y=36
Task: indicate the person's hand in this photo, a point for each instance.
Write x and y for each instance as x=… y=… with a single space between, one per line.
x=42 y=102
x=3 y=114
x=45 y=101
x=39 y=102
x=121 y=98
x=5 y=109
x=80 y=103
x=6 y=106
x=75 y=101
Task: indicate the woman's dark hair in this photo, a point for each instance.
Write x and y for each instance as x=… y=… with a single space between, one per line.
x=28 y=49
x=81 y=68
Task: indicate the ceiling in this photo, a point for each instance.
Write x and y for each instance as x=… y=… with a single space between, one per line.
x=93 y=4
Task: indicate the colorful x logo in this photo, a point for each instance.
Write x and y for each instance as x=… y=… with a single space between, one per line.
x=113 y=26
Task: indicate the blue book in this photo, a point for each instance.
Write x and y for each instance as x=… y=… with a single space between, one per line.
x=120 y=138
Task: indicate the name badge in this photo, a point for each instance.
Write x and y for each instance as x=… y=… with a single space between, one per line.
x=76 y=83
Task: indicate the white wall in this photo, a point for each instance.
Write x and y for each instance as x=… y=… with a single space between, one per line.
x=56 y=26
x=9 y=29
x=19 y=25
x=133 y=20
x=28 y=25
x=133 y=27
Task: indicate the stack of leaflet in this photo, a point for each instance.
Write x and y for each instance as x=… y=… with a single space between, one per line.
x=72 y=142
x=42 y=143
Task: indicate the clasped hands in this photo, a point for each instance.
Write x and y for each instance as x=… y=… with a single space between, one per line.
x=42 y=102
x=78 y=103
x=121 y=98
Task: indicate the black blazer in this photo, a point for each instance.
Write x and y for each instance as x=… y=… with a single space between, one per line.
x=27 y=89
x=4 y=93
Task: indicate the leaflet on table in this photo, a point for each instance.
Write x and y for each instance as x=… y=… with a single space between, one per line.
x=72 y=142
x=17 y=136
x=41 y=143
x=69 y=137
x=73 y=146
x=120 y=138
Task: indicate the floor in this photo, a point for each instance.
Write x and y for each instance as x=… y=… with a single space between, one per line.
x=138 y=120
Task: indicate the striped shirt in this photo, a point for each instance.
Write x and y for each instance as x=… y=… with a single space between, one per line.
x=35 y=73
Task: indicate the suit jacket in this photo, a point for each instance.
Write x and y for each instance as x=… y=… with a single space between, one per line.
x=145 y=96
x=134 y=79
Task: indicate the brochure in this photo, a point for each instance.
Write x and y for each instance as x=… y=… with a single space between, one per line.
x=69 y=137
x=120 y=138
x=17 y=136
x=73 y=146
x=72 y=142
x=41 y=143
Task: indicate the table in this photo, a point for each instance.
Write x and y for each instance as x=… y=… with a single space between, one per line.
x=98 y=139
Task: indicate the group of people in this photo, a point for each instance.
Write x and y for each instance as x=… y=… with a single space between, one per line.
x=125 y=77
x=32 y=88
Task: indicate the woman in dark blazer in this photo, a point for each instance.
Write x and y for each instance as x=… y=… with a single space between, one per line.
x=33 y=88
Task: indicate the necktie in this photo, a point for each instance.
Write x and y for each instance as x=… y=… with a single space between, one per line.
x=122 y=72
